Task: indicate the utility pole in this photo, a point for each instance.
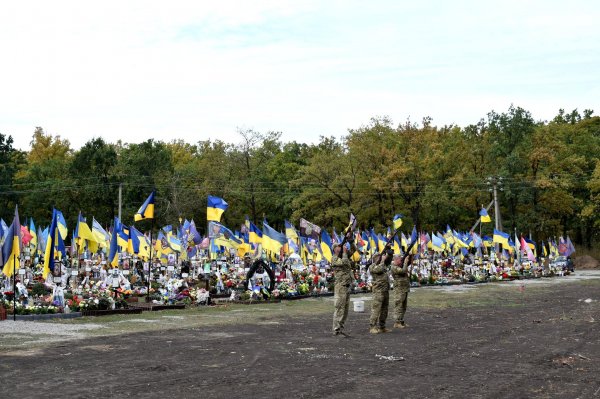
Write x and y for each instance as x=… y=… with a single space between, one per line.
x=120 y=199
x=495 y=184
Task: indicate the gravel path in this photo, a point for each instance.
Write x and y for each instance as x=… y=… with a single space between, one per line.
x=44 y=328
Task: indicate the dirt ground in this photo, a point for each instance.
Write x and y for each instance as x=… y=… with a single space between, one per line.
x=489 y=341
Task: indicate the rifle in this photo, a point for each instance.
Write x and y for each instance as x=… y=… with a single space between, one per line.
x=407 y=253
x=387 y=247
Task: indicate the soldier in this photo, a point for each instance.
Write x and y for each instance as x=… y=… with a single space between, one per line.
x=381 y=292
x=342 y=268
x=401 y=277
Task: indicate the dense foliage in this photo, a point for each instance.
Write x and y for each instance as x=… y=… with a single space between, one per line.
x=433 y=175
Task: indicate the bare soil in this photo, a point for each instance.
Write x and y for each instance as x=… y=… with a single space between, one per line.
x=543 y=344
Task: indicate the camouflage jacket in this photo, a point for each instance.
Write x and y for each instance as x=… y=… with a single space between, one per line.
x=342 y=269
x=400 y=275
x=381 y=280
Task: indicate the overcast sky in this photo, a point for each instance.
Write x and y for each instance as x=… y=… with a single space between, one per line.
x=134 y=70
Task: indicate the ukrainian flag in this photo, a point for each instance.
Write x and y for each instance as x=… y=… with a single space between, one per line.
x=215 y=208
x=448 y=235
x=11 y=249
x=397 y=221
x=403 y=242
x=62 y=224
x=485 y=218
x=83 y=233
x=437 y=244
x=501 y=238
x=113 y=254
x=83 y=230
x=290 y=231
x=326 y=245
x=174 y=242
x=373 y=242
x=34 y=239
x=54 y=241
x=100 y=235
x=272 y=240
x=122 y=233
x=396 y=246
x=146 y=211
x=254 y=234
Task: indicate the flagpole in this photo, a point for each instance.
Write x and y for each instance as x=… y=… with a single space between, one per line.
x=14 y=287
x=150 y=263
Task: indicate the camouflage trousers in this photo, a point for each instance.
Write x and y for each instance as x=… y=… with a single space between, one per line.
x=342 y=302
x=400 y=298
x=379 y=308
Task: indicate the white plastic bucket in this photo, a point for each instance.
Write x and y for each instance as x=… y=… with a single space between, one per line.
x=359 y=306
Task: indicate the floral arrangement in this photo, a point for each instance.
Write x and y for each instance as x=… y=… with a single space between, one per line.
x=101 y=302
x=33 y=309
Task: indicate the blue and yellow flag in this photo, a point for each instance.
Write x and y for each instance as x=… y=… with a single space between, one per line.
x=34 y=238
x=100 y=235
x=485 y=218
x=501 y=238
x=272 y=240
x=11 y=249
x=113 y=254
x=437 y=243
x=397 y=221
x=83 y=234
x=254 y=234
x=290 y=231
x=122 y=233
x=55 y=246
x=326 y=245
x=146 y=211
x=61 y=224
x=222 y=236
x=215 y=208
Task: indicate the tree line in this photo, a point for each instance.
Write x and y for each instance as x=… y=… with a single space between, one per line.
x=434 y=175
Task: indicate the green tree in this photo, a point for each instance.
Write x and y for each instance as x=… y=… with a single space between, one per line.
x=93 y=168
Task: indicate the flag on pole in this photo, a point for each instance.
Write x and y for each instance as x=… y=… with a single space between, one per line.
x=146 y=211
x=501 y=238
x=290 y=231
x=308 y=229
x=55 y=247
x=215 y=208
x=397 y=221
x=11 y=249
x=326 y=245
x=113 y=254
x=272 y=240
x=485 y=218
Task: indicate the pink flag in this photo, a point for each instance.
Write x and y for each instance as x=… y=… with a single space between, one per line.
x=525 y=248
x=25 y=236
x=205 y=243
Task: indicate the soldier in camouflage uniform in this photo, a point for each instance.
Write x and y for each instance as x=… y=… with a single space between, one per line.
x=342 y=269
x=401 y=276
x=381 y=292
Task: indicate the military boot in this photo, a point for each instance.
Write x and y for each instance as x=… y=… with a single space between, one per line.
x=375 y=330
x=399 y=324
x=385 y=330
